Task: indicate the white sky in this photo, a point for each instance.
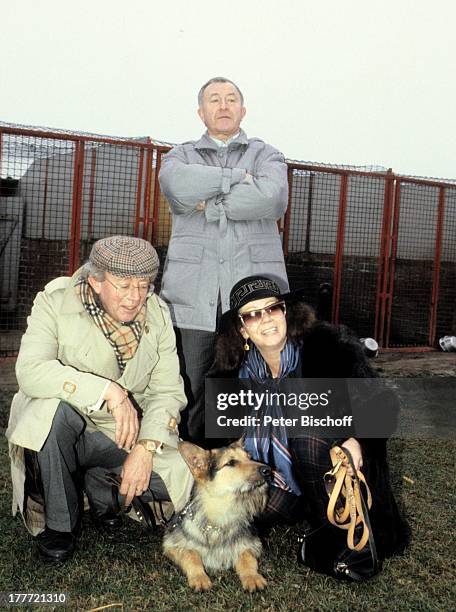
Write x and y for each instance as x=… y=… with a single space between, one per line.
x=336 y=81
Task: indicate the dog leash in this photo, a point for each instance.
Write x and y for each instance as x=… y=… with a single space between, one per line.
x=143 y=512
x=346 y=506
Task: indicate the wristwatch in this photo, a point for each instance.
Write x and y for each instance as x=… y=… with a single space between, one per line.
x=152 y=446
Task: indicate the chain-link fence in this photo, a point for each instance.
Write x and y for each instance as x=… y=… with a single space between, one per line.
x=373 y=250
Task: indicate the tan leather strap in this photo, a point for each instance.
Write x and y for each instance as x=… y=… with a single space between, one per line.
x=345 y=507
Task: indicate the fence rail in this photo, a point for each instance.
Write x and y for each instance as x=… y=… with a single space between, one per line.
x=374 y=250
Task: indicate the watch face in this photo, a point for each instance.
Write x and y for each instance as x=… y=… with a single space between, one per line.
x=148 y=445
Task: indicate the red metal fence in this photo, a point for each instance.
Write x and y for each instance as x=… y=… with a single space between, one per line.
x=385 y=243
x=376 y=251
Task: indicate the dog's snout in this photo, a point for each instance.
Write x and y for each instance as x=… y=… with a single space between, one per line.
x=265 y=471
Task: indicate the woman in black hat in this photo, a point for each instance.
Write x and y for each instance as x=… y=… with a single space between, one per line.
x=266 y=337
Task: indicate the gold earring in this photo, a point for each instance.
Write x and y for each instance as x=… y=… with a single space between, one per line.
x=246 y=346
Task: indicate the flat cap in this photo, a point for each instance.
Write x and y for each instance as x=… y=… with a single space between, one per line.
x=125 y=256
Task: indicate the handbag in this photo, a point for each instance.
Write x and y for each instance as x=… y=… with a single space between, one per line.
x=353 y=558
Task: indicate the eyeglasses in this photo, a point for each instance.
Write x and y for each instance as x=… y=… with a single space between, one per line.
x=122 y=291
x=254 y=317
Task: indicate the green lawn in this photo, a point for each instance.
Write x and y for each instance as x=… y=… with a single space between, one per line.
x=134 y=573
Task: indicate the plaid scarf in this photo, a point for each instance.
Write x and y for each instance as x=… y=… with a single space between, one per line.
x=270 y=444
x=123 y=337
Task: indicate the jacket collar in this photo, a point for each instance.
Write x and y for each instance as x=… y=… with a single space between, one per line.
x=71 y=302
x=206 y=142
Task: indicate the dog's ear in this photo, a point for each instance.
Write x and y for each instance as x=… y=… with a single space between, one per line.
x=239 y=443
x=196 y=458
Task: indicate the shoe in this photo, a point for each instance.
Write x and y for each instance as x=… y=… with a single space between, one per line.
x=55 y=545
x=108 y=522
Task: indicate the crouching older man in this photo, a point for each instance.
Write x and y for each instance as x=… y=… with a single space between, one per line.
x=99 y=391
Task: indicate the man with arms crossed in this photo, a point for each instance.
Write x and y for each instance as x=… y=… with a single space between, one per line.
x=226 y=193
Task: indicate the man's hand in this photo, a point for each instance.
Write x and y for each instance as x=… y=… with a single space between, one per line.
x=136 y=473
x=354 y=448
x=124 y=414
x=201 y=205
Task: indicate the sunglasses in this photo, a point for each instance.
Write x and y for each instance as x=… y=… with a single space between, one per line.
x=254 y=317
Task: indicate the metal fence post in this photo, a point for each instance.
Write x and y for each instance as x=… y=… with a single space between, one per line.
x=139 y=186
x=146 y=222
x=93 y=167
x=339 y=248
x=390 y=271
x=384 y=261
x=75 y=231
x=436 y=272
x=156 y=203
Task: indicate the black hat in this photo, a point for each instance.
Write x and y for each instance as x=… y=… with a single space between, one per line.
x=252 y=288
x=255 y=288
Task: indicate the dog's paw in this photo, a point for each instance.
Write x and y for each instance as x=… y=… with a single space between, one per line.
x=253 y=582
x=200 y=582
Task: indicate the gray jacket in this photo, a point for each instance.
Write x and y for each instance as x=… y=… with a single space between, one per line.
x=245 y=188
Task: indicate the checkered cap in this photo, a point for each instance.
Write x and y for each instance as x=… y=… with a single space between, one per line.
x=125 y=256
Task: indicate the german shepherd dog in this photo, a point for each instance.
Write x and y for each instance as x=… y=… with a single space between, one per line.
x=214 y=530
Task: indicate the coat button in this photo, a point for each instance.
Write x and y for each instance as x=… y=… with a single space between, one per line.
x=221 y=260
x=211 y=303
x=69 y=387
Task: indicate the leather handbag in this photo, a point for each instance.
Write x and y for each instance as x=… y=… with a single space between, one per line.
x=354 y=557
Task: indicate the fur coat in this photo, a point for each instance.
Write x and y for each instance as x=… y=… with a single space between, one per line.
x=329 y=351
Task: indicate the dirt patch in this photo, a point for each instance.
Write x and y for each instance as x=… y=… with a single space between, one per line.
x=399 y=364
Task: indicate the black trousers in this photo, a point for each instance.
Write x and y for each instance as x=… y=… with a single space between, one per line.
x=72 y=460
x=196 y=355
x=310 y=456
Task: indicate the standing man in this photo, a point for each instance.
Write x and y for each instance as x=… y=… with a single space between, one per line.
x=226 y=193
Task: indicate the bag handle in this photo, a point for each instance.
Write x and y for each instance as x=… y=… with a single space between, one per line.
x=346 y=507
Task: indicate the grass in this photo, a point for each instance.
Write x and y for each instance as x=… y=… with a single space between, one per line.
x=133 y=573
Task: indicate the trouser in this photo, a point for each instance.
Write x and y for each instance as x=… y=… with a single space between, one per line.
x=196 y=355
x=311 y=460
x=72 y=459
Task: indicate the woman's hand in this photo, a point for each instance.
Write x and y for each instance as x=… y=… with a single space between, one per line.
x=354 y=448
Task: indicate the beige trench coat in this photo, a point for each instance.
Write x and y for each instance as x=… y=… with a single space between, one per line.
x=65 y=356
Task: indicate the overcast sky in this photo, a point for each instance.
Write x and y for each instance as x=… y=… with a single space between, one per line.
x=350 y=82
